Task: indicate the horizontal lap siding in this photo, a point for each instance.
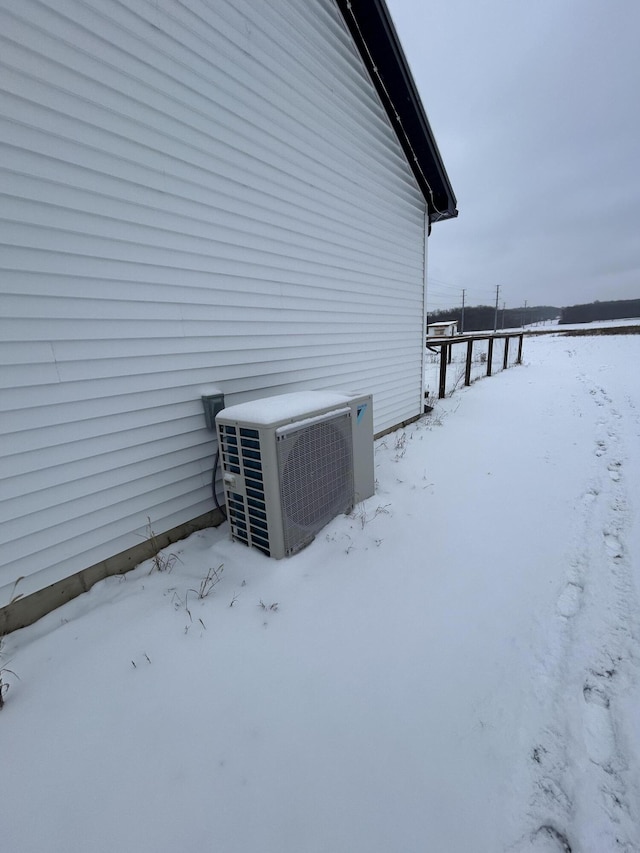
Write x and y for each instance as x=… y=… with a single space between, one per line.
x=190 y=194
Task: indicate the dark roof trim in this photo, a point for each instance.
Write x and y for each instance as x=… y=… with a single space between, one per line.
x=375 y=37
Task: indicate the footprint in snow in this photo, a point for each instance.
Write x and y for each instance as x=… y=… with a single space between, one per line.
x=595 y=696
x=544 y=839
x=599 y=736
x=612 y=544
x=570 y=599
x=614 y=471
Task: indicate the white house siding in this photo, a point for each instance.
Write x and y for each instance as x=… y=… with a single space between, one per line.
x=191 y=193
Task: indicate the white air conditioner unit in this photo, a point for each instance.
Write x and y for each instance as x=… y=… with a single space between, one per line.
x=293 y=462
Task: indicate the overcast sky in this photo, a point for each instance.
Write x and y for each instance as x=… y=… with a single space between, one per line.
x=536 y=111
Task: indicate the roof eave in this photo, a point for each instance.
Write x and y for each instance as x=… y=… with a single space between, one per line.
x=375 y=36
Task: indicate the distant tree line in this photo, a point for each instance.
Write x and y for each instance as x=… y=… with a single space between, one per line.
x=616 y=310
x=478 y=318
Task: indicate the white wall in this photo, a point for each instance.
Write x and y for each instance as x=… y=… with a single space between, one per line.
x=192 y=193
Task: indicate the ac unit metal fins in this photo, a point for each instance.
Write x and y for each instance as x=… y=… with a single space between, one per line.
x=241 y=455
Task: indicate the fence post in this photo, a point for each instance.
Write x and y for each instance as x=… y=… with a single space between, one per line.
x=467 y=367
x=519 y=361
x=505 y=357
x=489 y=356
x=443 y=371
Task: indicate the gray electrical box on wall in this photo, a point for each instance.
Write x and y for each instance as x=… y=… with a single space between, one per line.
x=212 y=404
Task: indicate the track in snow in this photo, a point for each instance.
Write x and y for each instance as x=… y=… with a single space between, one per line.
x=585 y=796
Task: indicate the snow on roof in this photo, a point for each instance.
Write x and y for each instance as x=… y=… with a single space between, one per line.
x=443 y=323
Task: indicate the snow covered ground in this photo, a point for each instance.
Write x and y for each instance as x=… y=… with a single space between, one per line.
x=454 y=668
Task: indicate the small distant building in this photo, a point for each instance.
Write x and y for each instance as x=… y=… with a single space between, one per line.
x=446 y=329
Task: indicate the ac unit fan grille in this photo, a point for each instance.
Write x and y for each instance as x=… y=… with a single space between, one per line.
x=315 y=464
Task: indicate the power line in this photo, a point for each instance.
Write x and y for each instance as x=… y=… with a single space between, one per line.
x=441 y=283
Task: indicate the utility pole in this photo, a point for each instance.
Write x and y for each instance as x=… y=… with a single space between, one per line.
x=503 y=307
x=495 y=316
x=462 y=317
x=525 y=312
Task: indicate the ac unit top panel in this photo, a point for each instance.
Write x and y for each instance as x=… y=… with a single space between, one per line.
x=284 y=408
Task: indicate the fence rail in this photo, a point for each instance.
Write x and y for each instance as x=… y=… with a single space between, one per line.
x=484 y=346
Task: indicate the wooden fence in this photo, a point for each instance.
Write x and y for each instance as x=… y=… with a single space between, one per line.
x=445 y=349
